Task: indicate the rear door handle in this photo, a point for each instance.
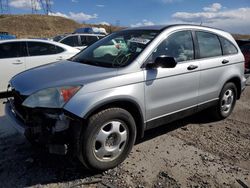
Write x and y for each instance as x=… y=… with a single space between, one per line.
x=18 y=62
x=192 y=67
x=225 y=61
x=60 y=58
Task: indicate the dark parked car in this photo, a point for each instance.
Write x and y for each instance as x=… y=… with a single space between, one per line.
x=242 y=42
x=246 y=52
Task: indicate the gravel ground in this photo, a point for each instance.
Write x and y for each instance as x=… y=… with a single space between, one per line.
x=193 y=152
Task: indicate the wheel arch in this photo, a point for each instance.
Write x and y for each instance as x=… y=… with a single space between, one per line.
x=131 y=106
x=237 y=81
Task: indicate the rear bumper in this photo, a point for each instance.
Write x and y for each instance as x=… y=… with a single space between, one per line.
x=247 y=71
x=11 y=115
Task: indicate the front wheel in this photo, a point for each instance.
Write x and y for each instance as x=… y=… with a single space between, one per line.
x=107 y=140
x=226 y=101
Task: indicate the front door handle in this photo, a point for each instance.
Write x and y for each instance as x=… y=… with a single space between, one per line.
x=192 y=67
x=225 y=61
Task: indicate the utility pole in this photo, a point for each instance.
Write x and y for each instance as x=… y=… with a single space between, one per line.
x=46 y=5
x=34 y=6
x=4 y=7
x=117 y=23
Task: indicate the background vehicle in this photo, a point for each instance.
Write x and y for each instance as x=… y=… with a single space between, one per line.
x=242 y=42
x=246 y=52
x=112 y=48
x=22 y=54
x=105 y=101
x=6 y=36
x=80 y=41
x=93 y=30
x=59 y=37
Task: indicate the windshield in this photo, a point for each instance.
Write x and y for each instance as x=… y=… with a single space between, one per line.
x=59 y=37
x=116 y=50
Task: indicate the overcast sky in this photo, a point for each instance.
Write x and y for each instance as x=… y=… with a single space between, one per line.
x=230 y=15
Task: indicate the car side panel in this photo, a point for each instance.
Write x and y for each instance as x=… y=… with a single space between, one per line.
x=10 y=67
x=171 y=90
x=214 y=74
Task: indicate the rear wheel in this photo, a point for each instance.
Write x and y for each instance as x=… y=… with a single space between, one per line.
x=107 y=140
x=226 y=101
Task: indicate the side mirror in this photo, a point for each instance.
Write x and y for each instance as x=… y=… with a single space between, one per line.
x=163 y=62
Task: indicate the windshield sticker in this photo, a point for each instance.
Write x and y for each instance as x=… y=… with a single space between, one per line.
x=139 y=40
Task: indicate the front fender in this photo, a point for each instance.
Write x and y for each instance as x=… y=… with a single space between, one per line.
x=82 y=104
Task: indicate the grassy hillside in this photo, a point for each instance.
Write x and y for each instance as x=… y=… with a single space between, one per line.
x=33 y=26
x=239 y=36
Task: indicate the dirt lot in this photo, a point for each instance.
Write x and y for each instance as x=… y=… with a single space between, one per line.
x=193 y=152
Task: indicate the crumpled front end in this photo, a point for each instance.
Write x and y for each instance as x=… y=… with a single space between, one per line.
x=41 y=126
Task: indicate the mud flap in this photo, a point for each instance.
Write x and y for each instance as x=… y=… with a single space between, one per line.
x=248 y=79
x=59 y=149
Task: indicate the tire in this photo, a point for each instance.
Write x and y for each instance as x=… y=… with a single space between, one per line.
x=107 y=139
x=226 y=103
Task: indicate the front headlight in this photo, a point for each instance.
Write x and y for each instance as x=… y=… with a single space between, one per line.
x=51 y=97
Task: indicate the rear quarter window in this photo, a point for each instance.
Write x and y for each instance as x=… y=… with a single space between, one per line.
x=227 y=47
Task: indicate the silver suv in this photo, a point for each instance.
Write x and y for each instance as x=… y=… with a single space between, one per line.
x=98 y=104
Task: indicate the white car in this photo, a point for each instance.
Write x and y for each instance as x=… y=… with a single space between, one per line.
x=21 y=54
x=112 y=48
x=79 y=40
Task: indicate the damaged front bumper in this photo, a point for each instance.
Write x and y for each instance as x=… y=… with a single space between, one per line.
x=47 y=127
x=15 y=122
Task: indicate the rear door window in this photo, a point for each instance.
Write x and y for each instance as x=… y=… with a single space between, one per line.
x=40 y=48
x=13 y=50
x=71 y=41
x=209 y=44
x=88 y=40
x=227 y=47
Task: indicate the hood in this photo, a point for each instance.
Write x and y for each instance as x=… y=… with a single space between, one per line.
x=63 y=73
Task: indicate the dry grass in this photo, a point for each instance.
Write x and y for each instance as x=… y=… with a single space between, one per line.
x=36 y=26
x=239 y=36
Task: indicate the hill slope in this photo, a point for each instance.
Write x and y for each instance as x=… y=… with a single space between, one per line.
x=35 y=26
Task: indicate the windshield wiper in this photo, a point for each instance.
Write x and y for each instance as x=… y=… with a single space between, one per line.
x=95 y=63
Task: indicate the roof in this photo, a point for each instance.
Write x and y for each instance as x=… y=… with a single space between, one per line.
x=37 y=40
x=23 y=40
x=163 y=27
x=86 y=34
